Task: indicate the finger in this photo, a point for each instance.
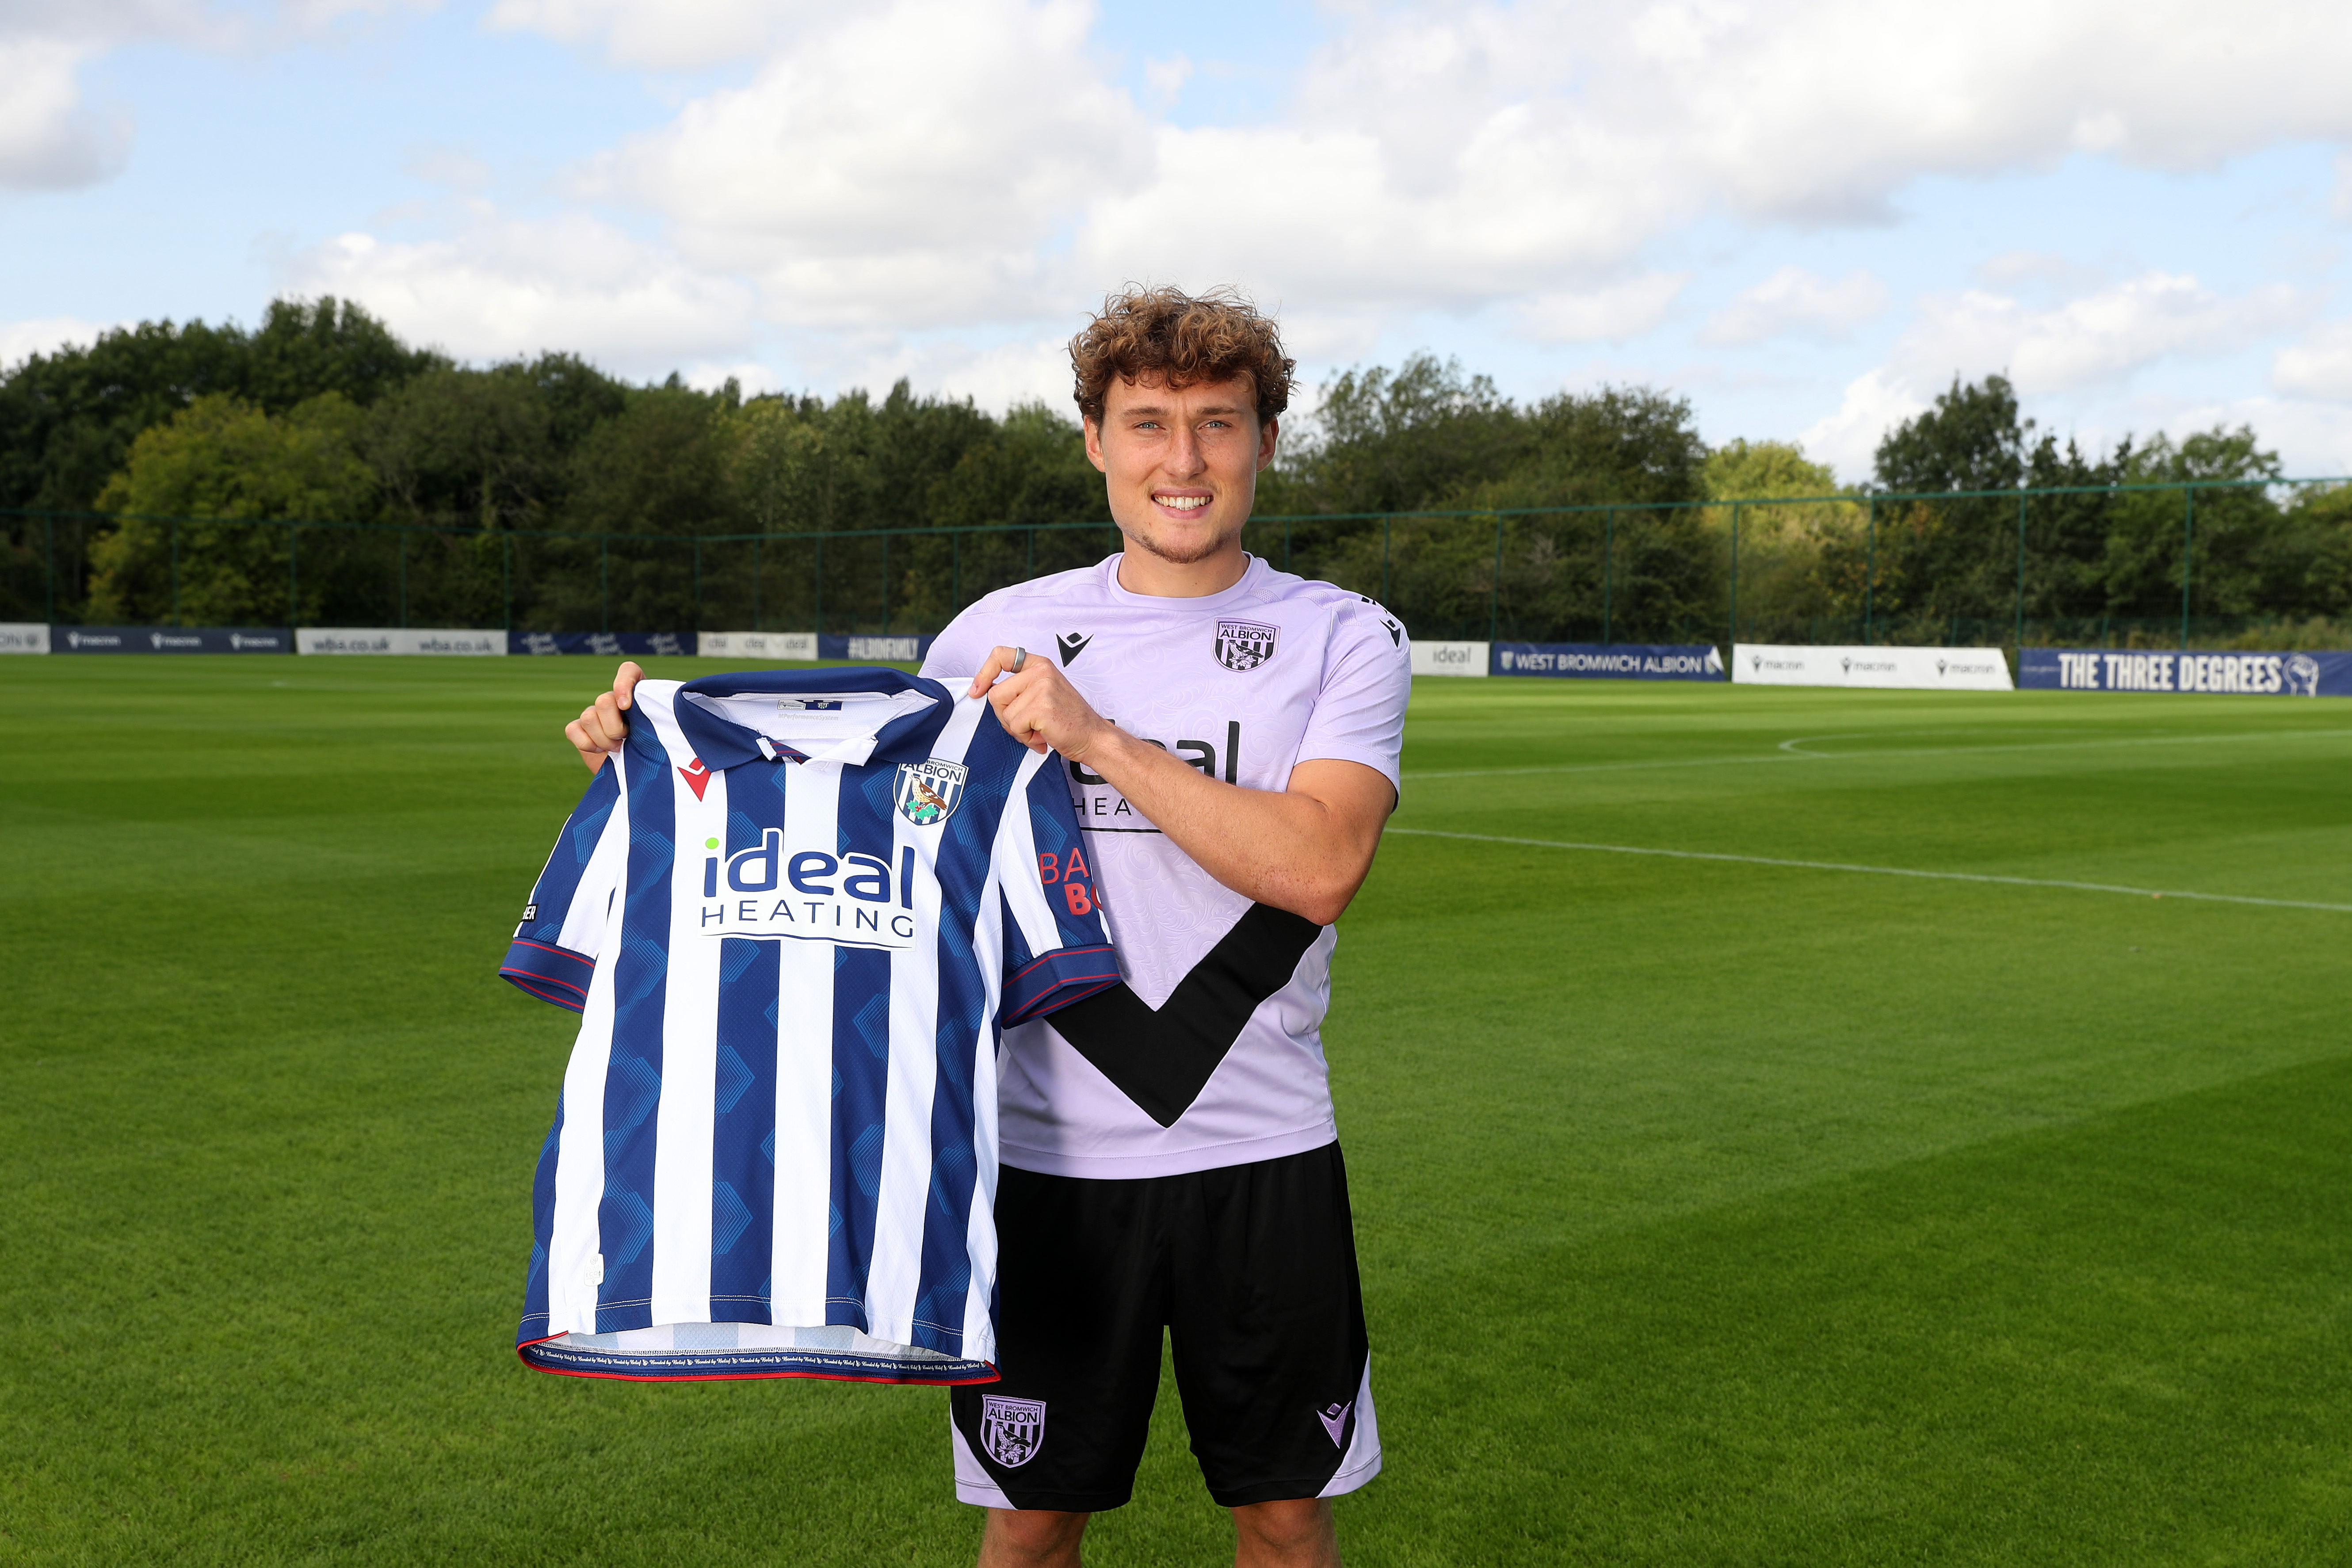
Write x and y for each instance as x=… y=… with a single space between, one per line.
x=1001 y=697
x=588 y=732
x=605 y=723
x=590 y=754
x=625 y=678
x=999 y=660
x=1018 y=710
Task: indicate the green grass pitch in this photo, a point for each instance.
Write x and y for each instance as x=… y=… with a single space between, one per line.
x=1712 y=1212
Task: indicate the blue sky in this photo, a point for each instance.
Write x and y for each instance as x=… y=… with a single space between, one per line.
x=1806 y=216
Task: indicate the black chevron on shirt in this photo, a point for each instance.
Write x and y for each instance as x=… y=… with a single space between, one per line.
x=1162 y=1058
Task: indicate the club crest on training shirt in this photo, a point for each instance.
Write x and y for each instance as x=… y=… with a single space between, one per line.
x=1243 y=644
x=929 y=792
x=1012 y=1430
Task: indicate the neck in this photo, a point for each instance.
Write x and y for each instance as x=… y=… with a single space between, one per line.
x=1141 y=571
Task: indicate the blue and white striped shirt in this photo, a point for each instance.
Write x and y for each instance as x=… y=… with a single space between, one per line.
x=795 y=913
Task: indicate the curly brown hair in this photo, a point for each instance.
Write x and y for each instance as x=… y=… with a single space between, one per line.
x=1180 y=340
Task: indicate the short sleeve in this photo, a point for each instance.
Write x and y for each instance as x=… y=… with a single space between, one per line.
x=554 y=953
x=1367 y=680
x=957 y=651
x=1056 y=949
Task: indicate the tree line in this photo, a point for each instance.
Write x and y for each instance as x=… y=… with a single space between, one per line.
x=322 y=415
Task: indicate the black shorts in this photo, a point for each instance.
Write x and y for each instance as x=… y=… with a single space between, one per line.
x=1251 y=1268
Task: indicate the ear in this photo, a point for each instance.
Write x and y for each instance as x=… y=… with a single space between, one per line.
x=1094 y=445
x=1266 y=431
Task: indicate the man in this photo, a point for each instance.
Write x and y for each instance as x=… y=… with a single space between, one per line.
x=1230 y=735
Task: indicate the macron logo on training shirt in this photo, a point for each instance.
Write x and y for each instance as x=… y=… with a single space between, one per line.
x=697 y=777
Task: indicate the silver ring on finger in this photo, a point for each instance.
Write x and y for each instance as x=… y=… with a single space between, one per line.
x=1020 y=657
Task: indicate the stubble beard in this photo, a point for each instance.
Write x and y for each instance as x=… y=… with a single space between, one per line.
x=1176 y=554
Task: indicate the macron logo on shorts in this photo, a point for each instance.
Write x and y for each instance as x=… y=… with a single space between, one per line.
x=1335 y=1420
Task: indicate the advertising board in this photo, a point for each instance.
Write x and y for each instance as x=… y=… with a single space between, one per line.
x=1871 y=668
x=604 y=644
x=1449 y=657
x=757 y=645
x=873 y=648
x=2233 y=674
x=24 y=637
x=1610 y=661
x=169 y=639
x=444 y=641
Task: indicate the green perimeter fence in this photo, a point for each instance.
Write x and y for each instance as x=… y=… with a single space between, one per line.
x=2127 y=566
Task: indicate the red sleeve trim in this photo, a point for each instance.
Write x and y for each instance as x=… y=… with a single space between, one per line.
x=1053 y=980
x=543 y=972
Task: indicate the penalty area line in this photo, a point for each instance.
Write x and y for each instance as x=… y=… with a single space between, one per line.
x=1878 y=870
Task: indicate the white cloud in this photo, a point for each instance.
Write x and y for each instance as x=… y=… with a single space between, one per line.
x=1604 y=315
x=922 y=166
x=1165 y=78
x=1794 y=300
x=1026 y=369
x=911 y=166
x=2098 y=339
x=2313 y=440
x=669 y=35
x=2319 y=366
x=49 y=138
x=920 y=184
x=506 y=286
x=1848 y=439
x=2094 y=342
x=2038 y=269
x=19 y=341
x=1449 y=155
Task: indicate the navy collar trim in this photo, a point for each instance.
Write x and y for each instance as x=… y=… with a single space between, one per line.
x=723 y=743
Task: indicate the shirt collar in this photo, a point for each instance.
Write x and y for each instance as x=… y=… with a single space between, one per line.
x=723 y=743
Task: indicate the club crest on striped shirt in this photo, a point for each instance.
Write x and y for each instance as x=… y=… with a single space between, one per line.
x=1012 y=1430
x=1243 y=644
x=929 y=792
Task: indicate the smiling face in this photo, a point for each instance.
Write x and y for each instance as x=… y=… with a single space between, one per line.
x=1182 y=467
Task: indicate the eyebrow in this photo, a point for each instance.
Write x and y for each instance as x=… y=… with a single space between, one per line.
x=1153 y=411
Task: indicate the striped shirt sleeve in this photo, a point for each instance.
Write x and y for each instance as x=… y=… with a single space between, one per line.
x=1056 y=949
x=554 y=953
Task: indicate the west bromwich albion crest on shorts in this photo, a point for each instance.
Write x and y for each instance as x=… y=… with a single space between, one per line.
x=929 y=791
x=775 y=1153
x=1012 y=1430
x=1245 y=645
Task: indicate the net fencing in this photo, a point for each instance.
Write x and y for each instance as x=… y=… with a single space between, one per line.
x=2156 y=566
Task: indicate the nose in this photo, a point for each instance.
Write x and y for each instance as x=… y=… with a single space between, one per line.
x=1185 y=459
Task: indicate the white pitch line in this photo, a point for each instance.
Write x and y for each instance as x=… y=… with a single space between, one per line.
x=1879 y=870
x=1781 y=754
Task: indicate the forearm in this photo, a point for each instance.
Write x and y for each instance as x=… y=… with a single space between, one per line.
x=1286 y=849
x=1303 y=849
